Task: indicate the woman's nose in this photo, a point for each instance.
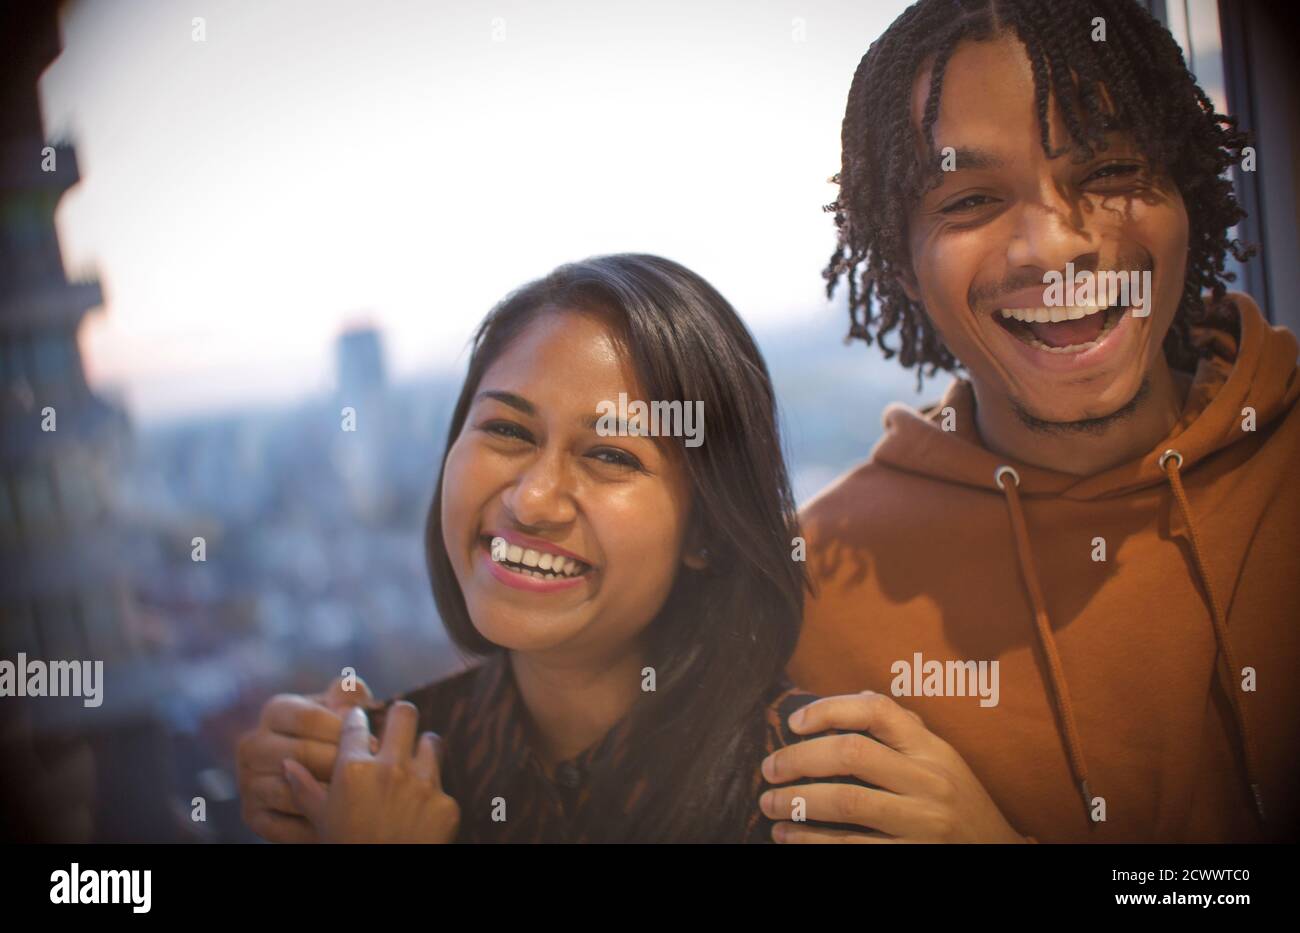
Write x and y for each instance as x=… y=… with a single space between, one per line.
x=542 y=494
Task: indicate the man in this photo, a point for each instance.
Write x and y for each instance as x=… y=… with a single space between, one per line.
x=1080 y=567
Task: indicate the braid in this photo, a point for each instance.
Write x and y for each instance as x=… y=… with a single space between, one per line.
x=1176 y=128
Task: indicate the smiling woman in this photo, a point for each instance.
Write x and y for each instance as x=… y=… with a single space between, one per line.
x=633 y=596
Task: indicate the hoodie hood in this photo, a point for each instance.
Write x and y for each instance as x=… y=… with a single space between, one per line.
x=1256 y=369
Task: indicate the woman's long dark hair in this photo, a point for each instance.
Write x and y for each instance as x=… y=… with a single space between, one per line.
x=721 y=642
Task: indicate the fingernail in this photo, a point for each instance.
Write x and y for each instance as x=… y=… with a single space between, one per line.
x=765 y=802
x=797 y=718
x=287 y=771
x=779 y=832
x=769 y=769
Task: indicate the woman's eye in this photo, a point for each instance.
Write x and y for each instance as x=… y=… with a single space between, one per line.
x=615 y=457
x=967 y=203
x=506 y=429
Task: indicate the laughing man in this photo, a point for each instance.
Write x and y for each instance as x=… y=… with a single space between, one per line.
x=1105 y=502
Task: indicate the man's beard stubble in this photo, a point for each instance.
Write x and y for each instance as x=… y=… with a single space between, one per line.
x=1090 y=426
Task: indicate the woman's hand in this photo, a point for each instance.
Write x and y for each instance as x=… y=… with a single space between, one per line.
x=389 y=796
x=305 y=729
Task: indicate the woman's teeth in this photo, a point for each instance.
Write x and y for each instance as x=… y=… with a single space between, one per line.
x=534 y=563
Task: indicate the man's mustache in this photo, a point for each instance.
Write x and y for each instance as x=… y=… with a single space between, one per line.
x=987 y=294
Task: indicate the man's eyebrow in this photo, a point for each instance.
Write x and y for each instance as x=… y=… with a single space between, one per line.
x=517 y=402
x=967 y=157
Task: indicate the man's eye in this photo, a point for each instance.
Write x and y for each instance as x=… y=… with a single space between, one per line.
x=967 y=203
x=615 y=457
x=1114 y=171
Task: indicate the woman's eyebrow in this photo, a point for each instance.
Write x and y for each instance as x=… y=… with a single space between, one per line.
x=517 y=402
x=621 y=427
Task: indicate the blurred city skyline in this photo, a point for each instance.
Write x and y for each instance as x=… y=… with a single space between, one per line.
x=311 y=166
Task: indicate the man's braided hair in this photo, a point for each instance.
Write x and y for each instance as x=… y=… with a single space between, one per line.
x=1153 y=95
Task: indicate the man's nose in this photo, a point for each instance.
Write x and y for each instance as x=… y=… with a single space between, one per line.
x=1050 y=232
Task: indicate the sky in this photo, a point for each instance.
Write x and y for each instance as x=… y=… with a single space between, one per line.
x=312 y=165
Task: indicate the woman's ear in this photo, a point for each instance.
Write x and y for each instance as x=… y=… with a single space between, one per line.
x=697 y=559
x=696 y=554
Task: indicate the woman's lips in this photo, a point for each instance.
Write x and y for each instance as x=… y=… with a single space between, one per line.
x=512 y=537
x=526 y=582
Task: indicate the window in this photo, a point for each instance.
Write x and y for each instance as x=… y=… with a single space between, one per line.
x=1238 y=51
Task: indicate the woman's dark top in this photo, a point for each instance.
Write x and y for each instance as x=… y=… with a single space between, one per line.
x=488 y=761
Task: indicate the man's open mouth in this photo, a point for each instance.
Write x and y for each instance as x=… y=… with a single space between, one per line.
x=531 y=562
x=1061 y=329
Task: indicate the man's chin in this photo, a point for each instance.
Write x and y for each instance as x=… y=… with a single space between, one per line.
x=1093 y=415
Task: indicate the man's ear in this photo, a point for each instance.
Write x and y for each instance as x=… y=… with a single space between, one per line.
x=911 y=288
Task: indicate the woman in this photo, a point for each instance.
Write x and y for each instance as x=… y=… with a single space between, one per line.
x=634 y=597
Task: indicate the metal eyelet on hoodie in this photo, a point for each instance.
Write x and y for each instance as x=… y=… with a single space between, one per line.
x=1174 y=454
x=1002 y=471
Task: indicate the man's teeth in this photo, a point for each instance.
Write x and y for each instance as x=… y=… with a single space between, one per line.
x=534 y=563
x=1036 y=316
x=1052 y=315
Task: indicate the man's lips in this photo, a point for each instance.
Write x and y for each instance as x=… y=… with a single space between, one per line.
x=1023 y=345
x=1057 y=328
x=1035 y=297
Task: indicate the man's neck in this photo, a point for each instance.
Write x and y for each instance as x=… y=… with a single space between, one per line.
x=1083 y=449
x=574 y=703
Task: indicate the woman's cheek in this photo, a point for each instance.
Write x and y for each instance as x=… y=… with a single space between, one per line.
x=645 y=548
x=459 y=502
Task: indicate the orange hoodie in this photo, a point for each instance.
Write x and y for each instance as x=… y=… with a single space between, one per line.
x=1119 y=679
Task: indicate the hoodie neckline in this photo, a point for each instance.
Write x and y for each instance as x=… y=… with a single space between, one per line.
x=1256 y=369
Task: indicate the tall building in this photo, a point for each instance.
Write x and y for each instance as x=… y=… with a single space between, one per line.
x=360 y=451
x=63 y=593
x=360 y=362
x=68 y=773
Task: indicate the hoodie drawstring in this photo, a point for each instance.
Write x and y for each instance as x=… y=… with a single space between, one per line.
x=1171 y=461
x=1055 y=672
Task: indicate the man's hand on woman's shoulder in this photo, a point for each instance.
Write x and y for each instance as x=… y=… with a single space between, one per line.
x=924 y=791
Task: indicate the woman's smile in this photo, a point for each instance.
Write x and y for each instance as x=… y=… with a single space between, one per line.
x=565 y=536
x=531 y=564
